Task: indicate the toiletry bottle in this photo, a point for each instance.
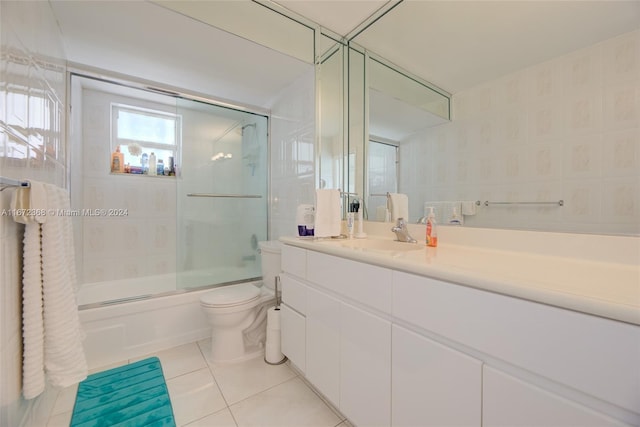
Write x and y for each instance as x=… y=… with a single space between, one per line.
x=117 y=161
x=432 y=229
x=351 y=217
x=153 y=171
x=455 y=218
x=160 y=167
x=144 y=163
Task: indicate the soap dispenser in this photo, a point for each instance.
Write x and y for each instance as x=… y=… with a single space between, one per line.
x=432 y=230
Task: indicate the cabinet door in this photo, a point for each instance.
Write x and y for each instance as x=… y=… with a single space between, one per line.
x=293 y=336
x=365 y=367
x=509 y=401
x=294 y=293
x=433 y=385
x=323 y=344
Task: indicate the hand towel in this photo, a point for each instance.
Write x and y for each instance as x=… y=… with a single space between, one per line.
x=469 y=207
x=328 y=217
x=399 y=206
x=51 y=325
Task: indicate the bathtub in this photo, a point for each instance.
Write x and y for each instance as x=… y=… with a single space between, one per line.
x=119 y=291
x=127 y=324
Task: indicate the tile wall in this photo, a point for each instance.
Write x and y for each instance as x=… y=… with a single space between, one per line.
x=564 y=129
x=140 y=243
x=32 y=121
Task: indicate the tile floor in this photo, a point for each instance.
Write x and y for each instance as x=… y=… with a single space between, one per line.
x=205 y=394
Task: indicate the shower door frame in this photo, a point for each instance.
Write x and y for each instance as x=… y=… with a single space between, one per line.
x=83 y=71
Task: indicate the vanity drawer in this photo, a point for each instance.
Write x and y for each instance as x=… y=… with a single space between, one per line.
x=594 y=355
x=294 y=293
x=294 y=261
x=364 y=283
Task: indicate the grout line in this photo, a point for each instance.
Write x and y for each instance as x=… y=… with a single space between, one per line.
x=215 y=380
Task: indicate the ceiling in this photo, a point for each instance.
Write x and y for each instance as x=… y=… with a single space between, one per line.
x=455 y=45
x=148 y=41
x=460 y=44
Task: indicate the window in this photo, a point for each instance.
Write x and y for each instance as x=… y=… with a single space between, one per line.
x=153 y=131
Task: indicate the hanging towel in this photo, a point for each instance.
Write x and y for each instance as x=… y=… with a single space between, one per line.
x=399 y=206
x=328 y=218
x=51 y=325
x=469 y=207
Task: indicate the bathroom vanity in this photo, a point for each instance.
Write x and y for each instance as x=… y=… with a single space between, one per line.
x=403 y=335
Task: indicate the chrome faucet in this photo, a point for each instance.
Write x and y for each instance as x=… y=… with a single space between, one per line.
x=402 y=233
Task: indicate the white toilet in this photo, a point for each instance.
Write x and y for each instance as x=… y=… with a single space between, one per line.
x=238 y=313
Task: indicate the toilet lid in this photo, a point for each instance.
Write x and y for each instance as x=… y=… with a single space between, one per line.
x=230 y=295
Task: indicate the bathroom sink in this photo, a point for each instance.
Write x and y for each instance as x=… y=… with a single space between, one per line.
x=378 y=245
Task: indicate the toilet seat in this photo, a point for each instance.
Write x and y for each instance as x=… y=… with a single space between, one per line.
x=229 y=296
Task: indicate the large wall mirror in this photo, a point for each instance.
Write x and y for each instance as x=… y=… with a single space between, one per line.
x=545 y=121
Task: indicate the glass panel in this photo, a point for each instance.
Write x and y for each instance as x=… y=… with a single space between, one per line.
x=224 y=152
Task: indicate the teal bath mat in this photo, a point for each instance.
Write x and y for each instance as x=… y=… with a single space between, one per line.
x=133 y=395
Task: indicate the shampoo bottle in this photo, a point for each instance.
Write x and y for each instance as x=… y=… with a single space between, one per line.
x=432 y=229
x=152 y=165
x=117 y=161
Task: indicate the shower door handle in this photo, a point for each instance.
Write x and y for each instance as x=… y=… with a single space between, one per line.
x=233 y=196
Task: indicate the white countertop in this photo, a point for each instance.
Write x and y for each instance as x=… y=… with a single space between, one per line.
x=608 y=289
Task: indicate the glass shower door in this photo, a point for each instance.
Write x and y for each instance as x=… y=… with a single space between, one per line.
x=221 y=194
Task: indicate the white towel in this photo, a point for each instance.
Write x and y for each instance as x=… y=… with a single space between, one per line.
x=469 y=207
x=51 y=325
x=399 y=206
x=328 y=217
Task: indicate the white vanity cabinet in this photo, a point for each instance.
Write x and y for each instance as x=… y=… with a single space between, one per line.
x=293 y=323
x=323 y=343
x=433 y=385
x=509 y=401
x=394 y=348
x=365 y=367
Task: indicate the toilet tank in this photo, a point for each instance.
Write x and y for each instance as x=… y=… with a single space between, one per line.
x=270 y=254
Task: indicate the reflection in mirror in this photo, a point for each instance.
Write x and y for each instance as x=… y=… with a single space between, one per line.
x=330 y=80
x=399 y=105
x=545 y=109
x=356 y=122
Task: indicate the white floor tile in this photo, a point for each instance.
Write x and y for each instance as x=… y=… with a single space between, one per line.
x=289 y=404
x=107 y=367
x=65 y=400
x=179 y=360
x=60 y=420
x=194 y=396
x=345 y=423
x=219 y=419
x=238 y=381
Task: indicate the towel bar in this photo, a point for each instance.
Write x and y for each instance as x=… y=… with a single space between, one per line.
x=487 y=203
